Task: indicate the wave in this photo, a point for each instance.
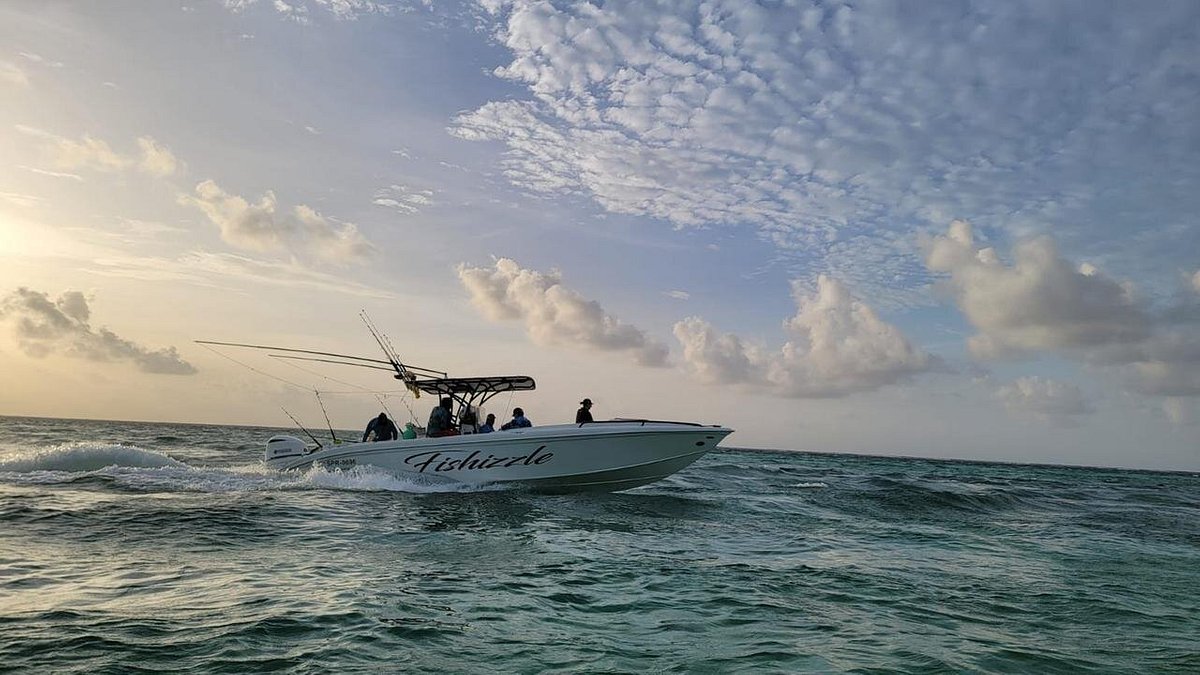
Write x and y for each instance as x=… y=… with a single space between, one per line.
x=83 y=456
x=137 y=469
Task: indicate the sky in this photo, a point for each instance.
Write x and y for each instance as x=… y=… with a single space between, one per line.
x=938 y=229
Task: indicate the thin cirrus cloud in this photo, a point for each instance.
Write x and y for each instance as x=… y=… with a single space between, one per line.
x=402 y=198
x=45 y=326
x=96 y=154
x=262 y=226
x=554 y=314
x=1041 y=302
x=840 y=130
x=837 y=346
x=1049 y=400
x=11 y=74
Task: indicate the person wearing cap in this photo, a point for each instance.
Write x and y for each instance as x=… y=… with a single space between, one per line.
x=519 y=421
x=584 y=414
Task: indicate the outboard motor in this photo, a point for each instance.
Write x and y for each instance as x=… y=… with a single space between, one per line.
x=279 y=447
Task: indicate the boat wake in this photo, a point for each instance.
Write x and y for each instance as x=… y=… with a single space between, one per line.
x=132 y=468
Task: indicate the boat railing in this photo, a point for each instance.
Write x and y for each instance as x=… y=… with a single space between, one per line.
x=644 y=422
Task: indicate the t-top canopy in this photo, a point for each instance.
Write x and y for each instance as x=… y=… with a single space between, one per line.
x=474 y=391
x=473 y=386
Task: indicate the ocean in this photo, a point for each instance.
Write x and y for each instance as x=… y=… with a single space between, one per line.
x=135 y=547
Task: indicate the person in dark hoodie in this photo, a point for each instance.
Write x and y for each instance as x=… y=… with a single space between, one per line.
x=383 y=428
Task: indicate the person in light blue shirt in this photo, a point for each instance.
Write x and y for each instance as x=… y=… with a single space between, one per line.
x=519 y=421
x=489 y=425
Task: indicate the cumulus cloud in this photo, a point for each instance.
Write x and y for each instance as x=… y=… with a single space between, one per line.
x=839 y=130
x=1039 y=302
x=262 y=227
x=1042 y=302
x=837 y=346
x=1043 y=398
x=44 y=326
x=96 y=154
x=552 y=313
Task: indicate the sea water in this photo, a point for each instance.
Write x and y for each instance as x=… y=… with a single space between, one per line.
x=133 y=547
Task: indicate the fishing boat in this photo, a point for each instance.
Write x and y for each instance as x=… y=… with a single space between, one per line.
x=600 y=456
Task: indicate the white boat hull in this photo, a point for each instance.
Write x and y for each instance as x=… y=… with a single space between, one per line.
x=599 y=457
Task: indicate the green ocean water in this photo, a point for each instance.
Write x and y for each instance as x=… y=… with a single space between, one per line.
x=133 y=547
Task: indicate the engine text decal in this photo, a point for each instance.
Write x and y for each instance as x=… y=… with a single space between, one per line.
x=436 y=461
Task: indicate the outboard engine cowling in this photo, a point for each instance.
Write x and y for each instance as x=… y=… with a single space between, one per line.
x=279 y=447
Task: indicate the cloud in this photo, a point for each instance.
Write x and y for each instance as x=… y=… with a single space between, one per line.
x=838 y=346
x=298 y=10
x=402 y=198
x=52 y=174
x=156 y=159
x=96 y=154
x=554 y=314
x=840 y=130
x=1196 y=281
x=44 y=326
x=1041 y=302
x=231 y=272
x=20 y=199
x=1047 y=399
x=261 y=227
x=11 y=74
x=677 y=295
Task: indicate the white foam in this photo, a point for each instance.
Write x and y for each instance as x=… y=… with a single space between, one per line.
x=82 y=457
x=140 y=469
x=817 y=484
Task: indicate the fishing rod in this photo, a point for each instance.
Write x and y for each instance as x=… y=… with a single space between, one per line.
x=391 y=365
x=327 y=422
x=306 y=432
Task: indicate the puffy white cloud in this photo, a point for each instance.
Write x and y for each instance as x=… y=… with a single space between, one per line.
x=1044 y=398
x=96 y=154
x=677 y=295
x=261 y=226
x=156 y=158
x=838 y=346
x=840 y=130
x=552 y=313
x=1039 y=302
x=44 y=326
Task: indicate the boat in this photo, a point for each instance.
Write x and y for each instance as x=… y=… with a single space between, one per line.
x=599 y=456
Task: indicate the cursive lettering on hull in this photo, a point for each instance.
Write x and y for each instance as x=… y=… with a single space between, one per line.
x=436 y=461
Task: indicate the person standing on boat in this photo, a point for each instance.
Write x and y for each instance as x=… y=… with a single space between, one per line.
x=584 y=414
x=489 y=425
x=441 y=422
x=519 y=421
x=383 y=428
